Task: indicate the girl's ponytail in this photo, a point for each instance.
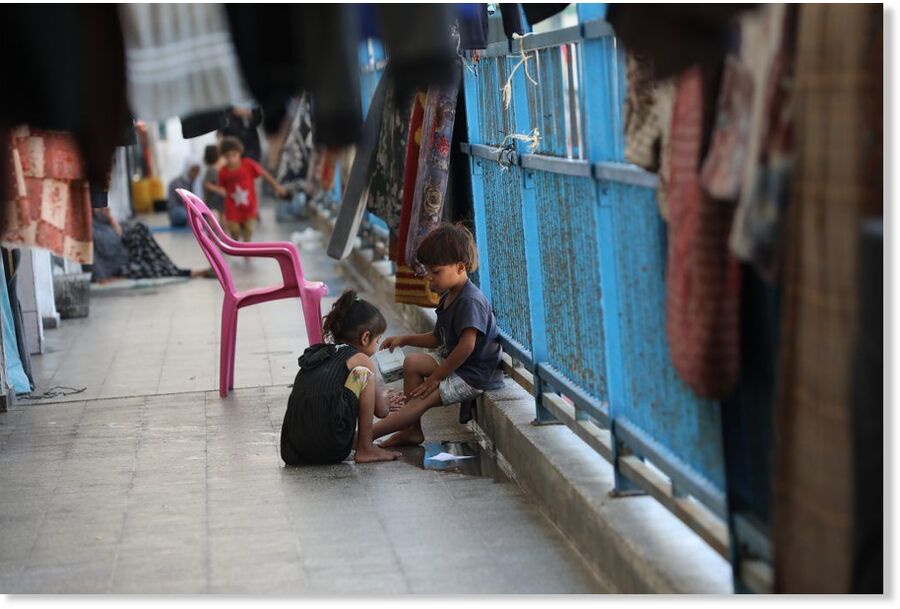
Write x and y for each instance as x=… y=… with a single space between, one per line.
x=350 y=316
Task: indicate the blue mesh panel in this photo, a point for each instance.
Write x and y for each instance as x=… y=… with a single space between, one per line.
x=571 y=275
x=506 y=249
x=547 y=101
x=657 y=401
x=497 y=121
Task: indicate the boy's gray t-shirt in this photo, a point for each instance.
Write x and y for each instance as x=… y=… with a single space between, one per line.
x=471 y=309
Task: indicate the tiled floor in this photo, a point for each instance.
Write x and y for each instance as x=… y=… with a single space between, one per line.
x=164 y=339
x=164 y=487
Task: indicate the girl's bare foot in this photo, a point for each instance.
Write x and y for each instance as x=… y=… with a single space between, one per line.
x=373 y=454
x=405 y=437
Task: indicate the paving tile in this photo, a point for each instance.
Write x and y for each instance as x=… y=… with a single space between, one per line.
x=167 y=488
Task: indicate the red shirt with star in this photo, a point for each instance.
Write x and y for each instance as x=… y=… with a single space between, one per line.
x=240 y=202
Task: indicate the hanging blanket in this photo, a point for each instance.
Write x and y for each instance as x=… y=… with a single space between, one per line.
x=411 y=289
x=180 y=58
x=702 y=278
x=433 y=168
x=386 y=185
x=51 y=206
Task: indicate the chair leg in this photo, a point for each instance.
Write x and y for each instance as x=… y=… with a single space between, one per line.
x=312 y=315
x=226 y=347
x=233 y=350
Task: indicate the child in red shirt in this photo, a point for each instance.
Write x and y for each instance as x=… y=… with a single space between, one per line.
x=236 y=183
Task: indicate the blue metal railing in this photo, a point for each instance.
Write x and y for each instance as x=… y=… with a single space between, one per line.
x=573 y=255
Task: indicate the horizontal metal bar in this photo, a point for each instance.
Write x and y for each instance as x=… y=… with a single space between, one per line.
x=622 y=173
x=553 y=164
x=693 y=514
x=675 y=468
x=496 y=49
x=625 y=173
x=751 y=534
x=516 y=350
x=545 y=40
x=596 y=28
x=583 y=400
x=758 y=576
x=373 y=67
x=594 y=436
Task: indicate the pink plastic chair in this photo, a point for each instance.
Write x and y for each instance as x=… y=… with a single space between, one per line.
x=214 y=242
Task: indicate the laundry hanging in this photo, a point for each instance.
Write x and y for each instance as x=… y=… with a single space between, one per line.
x=648 y=123
x=433 y=168
x=837 y=181
x=702 y=278
x=65 y=71
x=294 y=162
x=353 y=199
x=15 y=373
x=768 y=49
x=386 y=186
x=409 y=287
x=51 y=206
x=181 y=59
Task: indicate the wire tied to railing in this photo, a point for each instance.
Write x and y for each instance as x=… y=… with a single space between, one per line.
x=507 y=88
x=506 y=151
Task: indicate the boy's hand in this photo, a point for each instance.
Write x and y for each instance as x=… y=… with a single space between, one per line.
x=281 y=191
x=426 y=388
x=392 y=342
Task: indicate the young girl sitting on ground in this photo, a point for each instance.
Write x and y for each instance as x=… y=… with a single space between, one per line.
x=465 y=336
x=336 y=388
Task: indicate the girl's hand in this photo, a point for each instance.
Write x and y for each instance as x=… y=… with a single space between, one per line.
x=392 y=342
x=426 y=388
x=395 y=399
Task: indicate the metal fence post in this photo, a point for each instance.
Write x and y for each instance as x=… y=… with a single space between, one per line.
x=603 y=128
x=534 y=278
x=473 y=125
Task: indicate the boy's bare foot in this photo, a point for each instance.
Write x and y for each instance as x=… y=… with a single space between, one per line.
x=374 y=454
x=405 y=437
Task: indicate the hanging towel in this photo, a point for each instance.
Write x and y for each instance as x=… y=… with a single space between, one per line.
x=51 y=206
x=386 y=185
x=702 y=278
x=180 y=58
x=410 y=288
x=433 y=168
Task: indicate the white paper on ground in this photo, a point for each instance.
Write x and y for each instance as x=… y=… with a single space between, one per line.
x=449 y=457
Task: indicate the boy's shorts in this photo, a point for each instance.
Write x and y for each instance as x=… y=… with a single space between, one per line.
x=453 y=389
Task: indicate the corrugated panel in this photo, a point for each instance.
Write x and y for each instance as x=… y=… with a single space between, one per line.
x=657 y=401
x=506 y=249
x=571 y=276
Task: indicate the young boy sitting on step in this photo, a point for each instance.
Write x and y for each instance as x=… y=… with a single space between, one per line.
x=466 y=353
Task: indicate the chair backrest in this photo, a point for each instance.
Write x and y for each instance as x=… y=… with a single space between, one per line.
x=209 y=235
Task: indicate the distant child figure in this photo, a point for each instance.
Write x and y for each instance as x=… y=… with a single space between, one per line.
x=236 y=178
x=335 y=393
x=174 y=204
x=213 y=194
x=465 y=337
